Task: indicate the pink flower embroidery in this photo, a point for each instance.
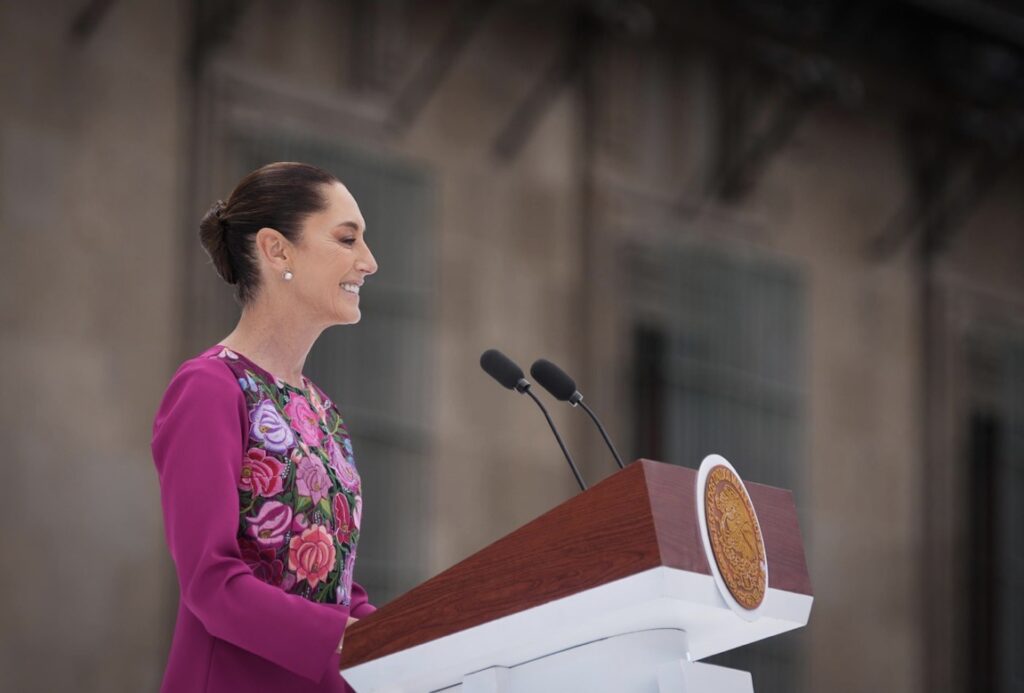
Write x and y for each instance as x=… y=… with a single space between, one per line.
x=270 y=524
x=303 y=420
x=343 y=525
x=261 y=473
x=311 y=479
x=311 y=555
x=335 y=455
x=357 y=512
x=345 y=472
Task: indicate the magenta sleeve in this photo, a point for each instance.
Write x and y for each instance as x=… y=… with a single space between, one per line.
x=198 y=439
x=360 y=606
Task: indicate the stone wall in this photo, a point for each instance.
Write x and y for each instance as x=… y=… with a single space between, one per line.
x=91 y=150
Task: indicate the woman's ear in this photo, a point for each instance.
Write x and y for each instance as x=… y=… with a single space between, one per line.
x=273 y=247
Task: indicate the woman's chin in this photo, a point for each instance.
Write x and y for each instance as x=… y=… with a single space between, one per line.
x=349 y=317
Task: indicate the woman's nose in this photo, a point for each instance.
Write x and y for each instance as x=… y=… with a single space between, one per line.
x=368 y=263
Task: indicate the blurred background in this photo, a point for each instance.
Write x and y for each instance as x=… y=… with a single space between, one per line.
x=787 y=231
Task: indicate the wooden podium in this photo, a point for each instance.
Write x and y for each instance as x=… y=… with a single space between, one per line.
x=612 y=590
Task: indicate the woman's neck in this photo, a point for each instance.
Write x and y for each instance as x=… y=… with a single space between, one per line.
x=276 y=339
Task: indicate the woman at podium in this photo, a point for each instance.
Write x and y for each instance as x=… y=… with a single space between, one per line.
x=260 y=494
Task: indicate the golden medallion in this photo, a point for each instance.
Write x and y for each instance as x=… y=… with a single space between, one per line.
x=735 y=536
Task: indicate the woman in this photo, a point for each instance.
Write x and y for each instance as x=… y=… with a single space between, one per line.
x=260 y=494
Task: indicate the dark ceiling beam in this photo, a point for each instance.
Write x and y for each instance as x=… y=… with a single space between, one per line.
x=951 y=214
x=978 y=124
x=213 y=23
x=413 y=98
x=851 y=47
x=88 y=19
x=873 y=75
x=740 y=169
x=623 y=19
x=948 y=182
x=560 y=74
x=796 y=83
x=542 y=95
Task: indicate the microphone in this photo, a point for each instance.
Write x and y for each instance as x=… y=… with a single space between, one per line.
x=504 y=370
x=509 y=375
x=561 y=386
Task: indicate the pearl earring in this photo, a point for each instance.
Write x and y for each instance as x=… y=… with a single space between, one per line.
x=288 y=275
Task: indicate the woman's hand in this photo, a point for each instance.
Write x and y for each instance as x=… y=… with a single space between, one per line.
x=342 y=643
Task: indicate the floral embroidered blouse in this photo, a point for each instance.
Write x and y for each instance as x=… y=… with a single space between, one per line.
x=299 y=490
x=262 y=506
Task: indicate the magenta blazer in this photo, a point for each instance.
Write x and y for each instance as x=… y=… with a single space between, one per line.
x=261 y=507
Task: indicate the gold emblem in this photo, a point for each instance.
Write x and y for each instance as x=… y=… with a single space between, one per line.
x=735 y=536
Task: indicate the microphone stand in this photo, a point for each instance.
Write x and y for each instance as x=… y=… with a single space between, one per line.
x=604 y=434
x=524 y=387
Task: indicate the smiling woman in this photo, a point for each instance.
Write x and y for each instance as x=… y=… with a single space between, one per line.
x=261 y=498
x=286 y=207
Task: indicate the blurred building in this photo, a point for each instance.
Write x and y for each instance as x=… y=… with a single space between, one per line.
x=788 y=232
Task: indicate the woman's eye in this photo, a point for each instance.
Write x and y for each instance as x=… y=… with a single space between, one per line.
x=348 y=241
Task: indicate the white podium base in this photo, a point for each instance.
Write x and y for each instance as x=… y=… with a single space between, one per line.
x=644 y=662
x=654 y=604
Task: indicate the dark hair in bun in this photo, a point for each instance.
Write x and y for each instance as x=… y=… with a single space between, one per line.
x=278 y=196
x=213 y=238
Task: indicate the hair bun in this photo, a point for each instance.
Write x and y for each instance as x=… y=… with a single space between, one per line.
x=213 y=230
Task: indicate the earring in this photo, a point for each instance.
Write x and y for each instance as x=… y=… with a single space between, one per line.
x=288 y=275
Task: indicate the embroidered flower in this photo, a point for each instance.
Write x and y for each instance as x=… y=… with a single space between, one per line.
x=304 y=420
x=334 y=454
x=311 y=479
x=311 y=555
x=270 y=524
x=270 y=428
x=357 y=512
x=343 y=524
x=345 y=472
x=263 y=562
x=299 y=522
x=261 y=473
x=227 y=353
x=248 y=383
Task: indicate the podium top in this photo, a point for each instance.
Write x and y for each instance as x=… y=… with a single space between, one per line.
x=639 y=518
